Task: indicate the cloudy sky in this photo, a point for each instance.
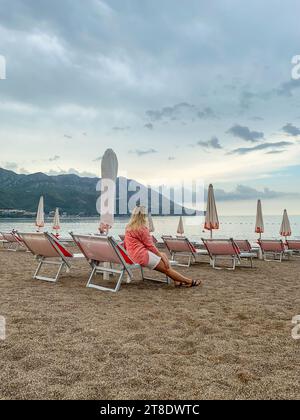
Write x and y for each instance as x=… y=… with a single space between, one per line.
x=180 y=90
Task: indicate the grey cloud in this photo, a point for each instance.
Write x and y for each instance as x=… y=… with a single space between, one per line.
x=256 y=118
x=243 y=192
x=287 y=88
x=245 y=133
x=67 y=136
x=213 y=143
x=206 y=113
x=150 y=126
x=171 y=158
x=54 y=158
x=123 y=128
x=264 y=146
x=276 y=152
x=247 y=98
x=291 y=129
x=181 y=112
x=140 y=153
x=171 y=112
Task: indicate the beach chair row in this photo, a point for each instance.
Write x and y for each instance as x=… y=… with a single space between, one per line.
x=101 y=252
x=234 y=250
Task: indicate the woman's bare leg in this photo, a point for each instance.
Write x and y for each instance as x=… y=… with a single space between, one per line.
x=174 y=275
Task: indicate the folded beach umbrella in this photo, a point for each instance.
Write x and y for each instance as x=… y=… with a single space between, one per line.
x=259 y=225
x=285 y=229
x=180 y=229
x=150 y=223
x=56 y=222
x=109 y=174
x=40 y=216
x=211 y=219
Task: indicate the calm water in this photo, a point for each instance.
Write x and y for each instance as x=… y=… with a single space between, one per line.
x=237 y=227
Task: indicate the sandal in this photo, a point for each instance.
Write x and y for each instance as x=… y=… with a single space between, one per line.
x=195 y=283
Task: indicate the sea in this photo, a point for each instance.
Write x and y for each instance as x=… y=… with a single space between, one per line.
x=238 y=227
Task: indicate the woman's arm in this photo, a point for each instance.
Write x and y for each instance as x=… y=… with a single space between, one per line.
x=148 y=243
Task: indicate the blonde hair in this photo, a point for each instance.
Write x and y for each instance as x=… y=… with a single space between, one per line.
x=138 y=218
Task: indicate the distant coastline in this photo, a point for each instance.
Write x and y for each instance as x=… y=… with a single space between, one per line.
x=77 y=217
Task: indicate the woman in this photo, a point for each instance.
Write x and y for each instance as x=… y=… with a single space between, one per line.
x=141 y=249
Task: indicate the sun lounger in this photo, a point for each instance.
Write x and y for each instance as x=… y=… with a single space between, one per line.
x=228 y=249
x=273 y=250
x=48 y=251
x=293 y=246
x=244 y=245
x=102 y=249
x=246 y=252
x=12 y=242
x=184 y=248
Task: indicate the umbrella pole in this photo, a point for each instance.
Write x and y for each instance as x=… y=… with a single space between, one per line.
x=106 y=275
x=260 y=254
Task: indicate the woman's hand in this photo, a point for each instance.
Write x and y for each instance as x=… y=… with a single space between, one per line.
x=165 y=260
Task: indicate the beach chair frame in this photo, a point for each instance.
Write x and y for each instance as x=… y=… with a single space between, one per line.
x=12 y=242
x=215 y=258
x=243 y=245
x=62 y=257
x=189 y=252
x=294 y=247
x=121 y=254
x=245 y=251
x=233 y=255
x=277 y=254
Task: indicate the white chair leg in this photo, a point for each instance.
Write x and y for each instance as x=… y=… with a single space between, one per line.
x=42 y=262
x=102 y=288
x=38 y=268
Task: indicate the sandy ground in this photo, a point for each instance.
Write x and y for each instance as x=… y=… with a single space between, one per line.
x=230 y=339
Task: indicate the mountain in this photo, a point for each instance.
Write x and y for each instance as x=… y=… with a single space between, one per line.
x=72 y=194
